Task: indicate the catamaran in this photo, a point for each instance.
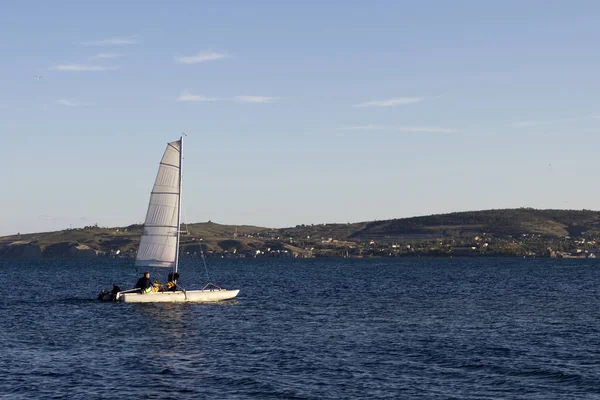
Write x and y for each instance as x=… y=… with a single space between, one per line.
x=159 y=244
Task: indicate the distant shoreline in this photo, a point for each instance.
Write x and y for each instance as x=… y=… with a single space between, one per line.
x=521 y=232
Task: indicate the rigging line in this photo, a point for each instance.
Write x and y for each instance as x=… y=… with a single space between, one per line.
x=201 y=255
x=205 y=266
x=183 y=209
x=204 y=261
x=184 y=222
x=184 y=214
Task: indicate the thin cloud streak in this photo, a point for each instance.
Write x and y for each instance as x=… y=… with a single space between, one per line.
x=82 y=68
x=187 y=96
x=112 y=42
x=201 y=57
x=403 y=129
x=525 y=124
x=106 y=55
x=425 y=130
x=71 y=103
x=66 y=102
x=363 y=127
x=256 y=99
x=522 y=124
x=390 y=102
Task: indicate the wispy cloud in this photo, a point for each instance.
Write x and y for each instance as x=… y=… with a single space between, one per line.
x=424 y=129
x=403 y=129
x=521 y=124
x=106 y=55
x=525 y=124
x=187 y=96
x=201 y=57
x=82 y=68
x=256 y=99
x=71 y=103
x=66 y=102
x=390 y=102
x=112 y=42
x=369 y=127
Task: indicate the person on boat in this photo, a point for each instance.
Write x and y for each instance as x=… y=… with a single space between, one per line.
x=144 y=283
x=172 y=281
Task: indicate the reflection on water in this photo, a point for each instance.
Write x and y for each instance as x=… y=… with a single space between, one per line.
x=161 y=312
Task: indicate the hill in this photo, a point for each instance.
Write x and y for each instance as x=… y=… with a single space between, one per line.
x=505 y=222
x=513 y=222
x=121 y=241
x=548 y=227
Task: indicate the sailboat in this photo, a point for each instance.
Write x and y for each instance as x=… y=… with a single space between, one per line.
x=159 y=244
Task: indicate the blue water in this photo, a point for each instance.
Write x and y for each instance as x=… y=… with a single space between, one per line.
x=307 y=329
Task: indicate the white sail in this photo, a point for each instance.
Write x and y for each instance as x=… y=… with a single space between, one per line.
x=159 y=242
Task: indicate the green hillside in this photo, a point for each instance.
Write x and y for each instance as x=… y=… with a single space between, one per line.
x=548 y=227
x=548 y=223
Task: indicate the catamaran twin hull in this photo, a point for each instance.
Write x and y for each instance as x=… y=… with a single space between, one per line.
x=189 y=296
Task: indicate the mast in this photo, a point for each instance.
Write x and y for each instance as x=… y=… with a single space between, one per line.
x=179 y=204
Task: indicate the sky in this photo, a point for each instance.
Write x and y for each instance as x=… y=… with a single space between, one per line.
x=296 y=112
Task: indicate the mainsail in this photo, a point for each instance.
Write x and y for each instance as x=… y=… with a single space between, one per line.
x=160 y=238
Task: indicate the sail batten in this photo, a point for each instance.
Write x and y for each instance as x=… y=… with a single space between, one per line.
x=168 y=165
x=159 y=241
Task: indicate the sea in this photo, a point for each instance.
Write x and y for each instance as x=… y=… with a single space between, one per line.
x=398 y=328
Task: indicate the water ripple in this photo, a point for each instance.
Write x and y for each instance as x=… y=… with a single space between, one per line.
x=308 y=329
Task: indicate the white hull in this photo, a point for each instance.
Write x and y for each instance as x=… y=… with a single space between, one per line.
x=189 y=296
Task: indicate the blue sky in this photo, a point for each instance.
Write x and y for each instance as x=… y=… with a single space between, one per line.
x=296 y=112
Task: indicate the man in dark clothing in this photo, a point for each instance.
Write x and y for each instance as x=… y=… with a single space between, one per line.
x=172 y=281
x=144 y=282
